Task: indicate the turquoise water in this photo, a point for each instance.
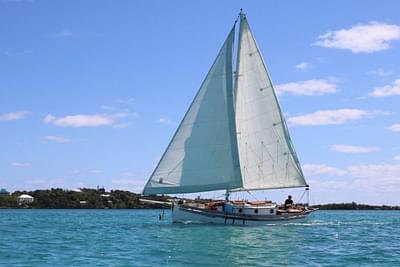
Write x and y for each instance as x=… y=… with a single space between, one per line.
x=138 y=238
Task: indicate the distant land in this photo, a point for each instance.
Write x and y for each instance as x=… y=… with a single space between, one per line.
x=84 y=198
x=354 y=206
x=88 y=198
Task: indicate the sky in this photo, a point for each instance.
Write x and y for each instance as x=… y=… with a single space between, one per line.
x=92 y=91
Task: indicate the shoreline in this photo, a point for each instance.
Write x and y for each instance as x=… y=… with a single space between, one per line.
x=167 y=208
x=87 y=198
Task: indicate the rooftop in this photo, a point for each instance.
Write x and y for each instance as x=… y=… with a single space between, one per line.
x=25 y=196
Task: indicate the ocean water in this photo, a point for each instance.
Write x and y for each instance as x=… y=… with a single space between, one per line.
x=138 y=238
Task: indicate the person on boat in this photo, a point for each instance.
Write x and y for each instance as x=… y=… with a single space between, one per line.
x=288 y=202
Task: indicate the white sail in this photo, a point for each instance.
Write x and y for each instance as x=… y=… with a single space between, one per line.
x=267 y=157
x=202 y=156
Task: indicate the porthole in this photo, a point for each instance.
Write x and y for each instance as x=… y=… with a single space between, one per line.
x=256 y=211
x=240 y=210
x=271 y=211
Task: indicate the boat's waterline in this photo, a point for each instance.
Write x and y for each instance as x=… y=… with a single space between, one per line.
x=182 y=214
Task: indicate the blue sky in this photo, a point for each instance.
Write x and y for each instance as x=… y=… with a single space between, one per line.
x=92 y=91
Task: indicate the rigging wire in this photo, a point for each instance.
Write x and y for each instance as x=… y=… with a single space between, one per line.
x=251 y=194
x=302 y=195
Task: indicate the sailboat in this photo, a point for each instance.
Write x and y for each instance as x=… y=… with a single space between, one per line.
x=233 y=137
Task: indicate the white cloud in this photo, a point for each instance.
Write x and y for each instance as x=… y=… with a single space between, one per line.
x=86 y=120
x=380 y=72
x=57 y=139
x=368 y=183
x=12 y=116
x=164 y=120
x=354 y=149
x=388 y=90
x=378 y=171
x=397 y=157
x=321 y=185
x=362 y=38
x=21 y=164
x=318 y=169
x=303 y=66
x=329 y=117
x=308 y=87
x=394 y=127
x=372 y=177
x=49 y=118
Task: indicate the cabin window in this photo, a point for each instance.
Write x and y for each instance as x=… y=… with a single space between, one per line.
x=240 y=210
x=271 y=211
x=256 y=211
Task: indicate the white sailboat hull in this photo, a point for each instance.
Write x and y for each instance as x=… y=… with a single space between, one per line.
x=184 y=214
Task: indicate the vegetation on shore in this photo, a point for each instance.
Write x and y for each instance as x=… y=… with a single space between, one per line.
x=85 y=198
x=354 y=206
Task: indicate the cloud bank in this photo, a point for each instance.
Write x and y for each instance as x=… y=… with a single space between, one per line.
x=303 y=66
x=354 y=149
x=362 y=38
x=332 y=117
x=309 y=87
x=86 y=120
x=12 y=116
x=388 y=90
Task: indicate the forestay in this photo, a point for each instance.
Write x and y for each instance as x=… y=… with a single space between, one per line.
x=202 y=156
x=267 y=157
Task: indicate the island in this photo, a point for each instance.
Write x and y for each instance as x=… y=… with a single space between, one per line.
x=84 y=198
x=89 y=198
x=354 y=206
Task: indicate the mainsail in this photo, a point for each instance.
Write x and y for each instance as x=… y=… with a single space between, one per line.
x=267 y=157
x=232 y=138
x=202 y=155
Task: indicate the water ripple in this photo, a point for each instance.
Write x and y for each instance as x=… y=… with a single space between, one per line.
x=138 y=238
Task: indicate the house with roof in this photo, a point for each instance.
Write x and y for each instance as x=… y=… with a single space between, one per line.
x=25 y=199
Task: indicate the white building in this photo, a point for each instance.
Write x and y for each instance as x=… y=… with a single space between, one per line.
x=25 y=199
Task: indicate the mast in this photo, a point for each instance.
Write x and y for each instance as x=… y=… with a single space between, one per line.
x=227 y=195
x=236 y=75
